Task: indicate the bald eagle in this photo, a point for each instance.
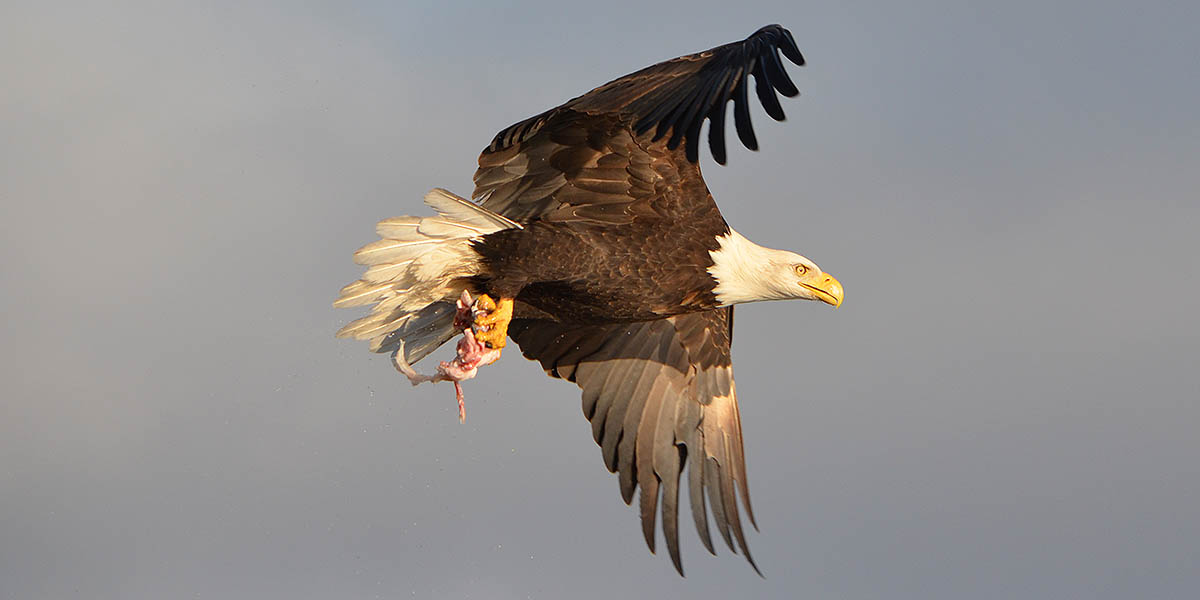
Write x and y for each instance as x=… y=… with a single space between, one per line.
x=596 y=246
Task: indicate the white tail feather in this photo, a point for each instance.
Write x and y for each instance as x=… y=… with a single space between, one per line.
x=397 y=227
x=391 y=250
x=387 y=273
x=415 y=273
x=361 y=293
x=461 y=210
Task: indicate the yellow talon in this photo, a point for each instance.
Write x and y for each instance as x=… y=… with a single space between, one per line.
x=491 y=326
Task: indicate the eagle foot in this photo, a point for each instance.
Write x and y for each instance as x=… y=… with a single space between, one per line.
x=469 y=356
x=491 y=319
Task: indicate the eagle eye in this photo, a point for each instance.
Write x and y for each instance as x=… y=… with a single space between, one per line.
x=801 y=269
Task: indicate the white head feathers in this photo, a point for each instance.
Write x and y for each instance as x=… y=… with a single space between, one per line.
x=747 y=272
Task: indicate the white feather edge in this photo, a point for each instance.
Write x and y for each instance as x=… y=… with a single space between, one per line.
x=453 y=206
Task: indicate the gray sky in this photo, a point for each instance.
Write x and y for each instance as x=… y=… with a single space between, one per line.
x=1006 y=406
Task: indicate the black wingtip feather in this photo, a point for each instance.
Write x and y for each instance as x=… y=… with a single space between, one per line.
x=766 y=93
x=716 y=131
x=790 y=50
x=741 y=117
x=779 y=77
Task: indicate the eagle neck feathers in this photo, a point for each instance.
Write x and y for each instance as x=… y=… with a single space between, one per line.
x=743 y=271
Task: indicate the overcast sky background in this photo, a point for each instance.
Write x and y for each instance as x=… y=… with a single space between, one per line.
x=1006 y=406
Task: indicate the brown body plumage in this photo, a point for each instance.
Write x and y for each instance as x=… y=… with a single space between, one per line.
x=635 y=245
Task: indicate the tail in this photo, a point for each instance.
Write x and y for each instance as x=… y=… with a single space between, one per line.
x=415 y=273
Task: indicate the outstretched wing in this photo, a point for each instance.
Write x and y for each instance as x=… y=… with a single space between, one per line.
x=610 y=147
x=676 y=96
x=658 y=393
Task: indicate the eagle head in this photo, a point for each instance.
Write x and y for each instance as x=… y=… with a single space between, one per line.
x=746 y=272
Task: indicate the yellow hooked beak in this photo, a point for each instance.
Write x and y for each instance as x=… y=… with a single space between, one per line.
x=827 y=289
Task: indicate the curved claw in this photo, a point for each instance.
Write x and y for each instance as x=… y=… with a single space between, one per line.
x=491 y=321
